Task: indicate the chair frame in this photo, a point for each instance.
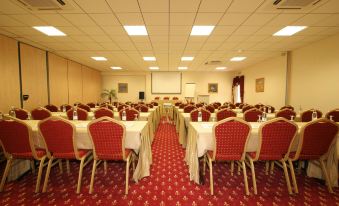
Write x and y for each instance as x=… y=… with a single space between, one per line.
x=103 y=108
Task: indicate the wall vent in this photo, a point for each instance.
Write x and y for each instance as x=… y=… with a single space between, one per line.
x=294 y=4
x=42 y=5
x=214 y=62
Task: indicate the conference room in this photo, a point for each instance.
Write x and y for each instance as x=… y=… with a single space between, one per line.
x=169 y=102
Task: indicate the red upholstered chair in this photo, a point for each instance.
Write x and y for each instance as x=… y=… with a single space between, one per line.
x=189 y=108
x=21 y=113
x=258 y=106
x=247 y=107
x=216 y=104
x=102 y=112
x=231 y=106
x=51 y=107
x=59 y=138
x=237 y=104
x=334 y=113
x=182 y=105
x=84 y=107
x=205 y=115
x=131 y=114
x=223 y=107
x=230 y=140
x=287 y=107
x=91 y=105
x=316 y=138
x=166 y=98
x=175 y=98
x=241 y=105
x=149 y=105
x=17 y=143
x=82 y=114
x=225 y=113
x=275 y=139
x=177 y=104
x=67 y=107
x=40 y=113
x=199 y=105
x=306 y=116
x=286 y=113
x=141 y=108
x=210 y=108
x=108 y=140
x=155 y=103
x=122 y=106
x=157 y=98
x=108 y=106
x=252 y=115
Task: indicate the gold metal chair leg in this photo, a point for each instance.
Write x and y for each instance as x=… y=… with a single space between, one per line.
x=294 y=181
x=128 y=161
x=47 y=174
x=68 y=167
x=232 y=167
x=253 y=177
x=105 y=166
x=33 y=166
x=204 y=164
x=245 y=177
x=80 y=174
x=41 y=165
x=4 y=176
x=92 y=176
x=299 y=166
x=272 y=167
x=211 y=175
x=60 y=166
x=289 y=188
x=267 y=165
x=329 y=185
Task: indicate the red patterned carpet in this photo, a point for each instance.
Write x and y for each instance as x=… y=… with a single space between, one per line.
x=168 y=184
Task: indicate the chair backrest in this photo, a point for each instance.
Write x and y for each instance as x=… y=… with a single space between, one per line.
x=182 y=105
x=287 y=107
x=149 y=105
x=157 y=98
x=306 y=116
x=131 y=113
x=102 y=112
x=189 y=108
x=58 y=134
x=21 y=113
x=275 y=139
x=241 y=105
x=177 y=104
x=40 y=113
x=175 y=98
x=231 y=106
x=199 y=105
x=210 y=108
x=252 y=115
x=286 y=113
x=91 y=104
x=247 y=107
x=334 y=113
x=258 y=106
x=16 y=138
x=51 y=108
x=230 y=136
x=237 y=104
x=67 y=107
x=122 y=106
x=108 y=138
x=316 y=137
x=142 y=108
x=155 y=103
x=225 y=113
x=82 y=114
x=84 y=107
x=166 y=98
x=108 y=106
x=266 y=108
x=223 y=107
x=205 y=114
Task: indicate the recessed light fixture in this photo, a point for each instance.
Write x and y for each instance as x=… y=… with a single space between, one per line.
x=154 y=68
x=99 y=58
x=220 y=68
x=116 y=68
x=201 y=30
x=149 y=58
x=237 y=59
x=136 y=30
x=187 y=58
x=289 y=30
x=182 y=68
x=49 y=30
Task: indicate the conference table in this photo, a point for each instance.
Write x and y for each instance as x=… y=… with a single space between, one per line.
x=200 y=139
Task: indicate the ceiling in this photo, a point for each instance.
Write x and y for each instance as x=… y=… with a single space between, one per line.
x=95 y=28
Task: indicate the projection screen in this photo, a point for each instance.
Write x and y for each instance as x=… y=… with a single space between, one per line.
x=166 y=83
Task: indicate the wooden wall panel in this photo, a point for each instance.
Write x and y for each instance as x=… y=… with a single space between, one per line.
x=58 y=82
x=91 y=84
x=74 y=82
x=9 y=74
x=34 y=76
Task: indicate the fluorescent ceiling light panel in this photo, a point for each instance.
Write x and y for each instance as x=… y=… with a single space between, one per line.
x=220 y=68
x=201 y=30
x=116 y=68
x=238 y=59
x=136 y=30
x=154 y=68
x=149 y=58
x=187 y=58
x=182 y=68
x=289 y=30
x=49 y=30
x=99 y=58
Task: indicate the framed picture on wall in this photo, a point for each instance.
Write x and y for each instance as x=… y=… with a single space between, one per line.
x=122 y=88
x=212 y=87
x=260 y=85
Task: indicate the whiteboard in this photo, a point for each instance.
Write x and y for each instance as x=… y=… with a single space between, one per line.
x=166 y=83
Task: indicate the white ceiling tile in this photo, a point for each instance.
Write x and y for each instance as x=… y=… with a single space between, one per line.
x=124 y=5
x=258 y=19
x=143 y=46
x=332 y=6
x=180 y=30
x=79 y=19
x=184 y=6
x=54 y=19
x=130 y=18
x=29 y=20
x=70 y=30
x=246 y=30
x=114 y=30
x=8 y=7
x=92 y=45
x=157 y=30
x=245 y=5
x=216 y=38
x=23 y=31
x=224 y=30
x=237 y=38
x=332 y=20
x=154 y=19
x=214 y=5
x=92 y=30
x=210 y=46
x=232 y=19
x=284 y=19
x=154 y=5
x=268 y=30
x=8 y=21
x=126 y=45
x=140 y=39
x=105 y=19
x=82 y=38
x=90 y=6
x=178 y=39
x=182 y=18
x=120 y=38
x=159 y=39
x=311 y=19
x=207 y=18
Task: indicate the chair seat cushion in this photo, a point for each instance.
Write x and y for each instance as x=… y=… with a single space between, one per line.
x=28 y=155
x=224 y=157
x=70 y=155
x=305 y=156
x=265 y=156
x=114 y=156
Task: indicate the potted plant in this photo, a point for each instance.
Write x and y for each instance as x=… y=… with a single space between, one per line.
x=110 y=94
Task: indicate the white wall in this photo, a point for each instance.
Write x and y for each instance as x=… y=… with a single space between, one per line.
x=274 y=73
x=141 y=81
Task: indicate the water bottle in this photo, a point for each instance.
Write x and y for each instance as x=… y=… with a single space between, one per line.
x=199 y=116
x=75 y=114
x=331 y=117
x=123 y=115
x=314 y=115
x=29 y=116
x=12 y=112
x=63 y=108
x=264 y=117
x=269 y=110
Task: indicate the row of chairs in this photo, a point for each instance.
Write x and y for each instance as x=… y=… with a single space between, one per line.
x=166 y=98
x=107 y=136
x=275 y=141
